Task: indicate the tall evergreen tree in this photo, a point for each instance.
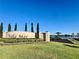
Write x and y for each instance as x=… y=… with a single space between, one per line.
x=37 y=30
x=25 y=26
x=1 y=30
x=9 y=27
x=32 y=30
x=2 y=26
x=15 y=29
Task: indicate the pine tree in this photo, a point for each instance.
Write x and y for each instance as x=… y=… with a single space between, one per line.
x=37 y=30
x=15 y=29
x=58 y=35
x=9 y=28
x=25 y=26
x=32 y=30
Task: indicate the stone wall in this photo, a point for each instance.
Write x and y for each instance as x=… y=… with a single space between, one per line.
x=41 y=36
x=47 y=37
x=18 y=34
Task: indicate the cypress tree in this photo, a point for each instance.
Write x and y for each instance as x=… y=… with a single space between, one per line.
x=32 y=30
x=9 y=28
x=37 y=30
x=25 y=26
x=15 y=29
x=1 y=30
x=2 y=26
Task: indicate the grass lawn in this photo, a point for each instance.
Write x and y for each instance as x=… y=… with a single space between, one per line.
x=52 y=50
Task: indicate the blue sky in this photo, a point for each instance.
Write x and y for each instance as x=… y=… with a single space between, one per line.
x=53 y=15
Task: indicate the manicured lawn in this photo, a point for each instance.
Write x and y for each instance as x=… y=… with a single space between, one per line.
x=52 y=50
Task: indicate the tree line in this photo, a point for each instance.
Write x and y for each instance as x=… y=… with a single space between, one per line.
x=15 y=29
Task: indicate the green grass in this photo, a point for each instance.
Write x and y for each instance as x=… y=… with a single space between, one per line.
x=14 y=40
x=52 y=50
